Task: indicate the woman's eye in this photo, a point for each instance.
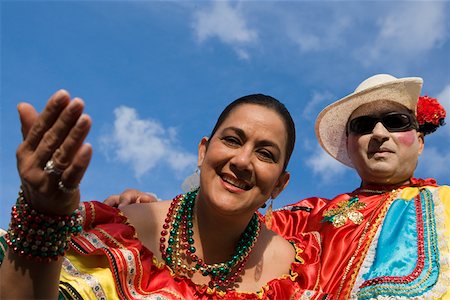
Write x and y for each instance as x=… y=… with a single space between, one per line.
x=231 y=140
x=266 y=155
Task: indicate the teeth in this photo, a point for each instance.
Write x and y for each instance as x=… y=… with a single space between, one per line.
x=237 y=183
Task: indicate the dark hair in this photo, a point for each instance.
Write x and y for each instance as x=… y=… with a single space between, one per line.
x=270 y=103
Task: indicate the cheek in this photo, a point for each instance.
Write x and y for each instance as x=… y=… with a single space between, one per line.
x=267 y=177
x=406 y=138
x=213 y=157
x=354 y=144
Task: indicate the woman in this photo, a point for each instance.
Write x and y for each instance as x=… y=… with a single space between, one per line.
x=390 y=237
x=206 y=244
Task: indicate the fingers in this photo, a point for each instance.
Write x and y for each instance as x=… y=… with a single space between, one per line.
x=28 y=116
x=72 y=176
x=147 y=197
x=112 y=200
x=128 y=197
x=46 y=119
x=68 y=121
x=64 y=155
x=131 y=196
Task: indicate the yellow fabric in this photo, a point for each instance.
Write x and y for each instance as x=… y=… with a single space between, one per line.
x=90 y=275
x=444 y=194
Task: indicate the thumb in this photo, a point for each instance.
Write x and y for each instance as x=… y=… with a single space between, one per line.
x=27 y=115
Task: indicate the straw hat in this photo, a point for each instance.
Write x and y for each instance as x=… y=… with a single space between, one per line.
x=332 y=120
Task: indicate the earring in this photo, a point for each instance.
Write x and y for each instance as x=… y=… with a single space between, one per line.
x=192 y=182
x=268 y=216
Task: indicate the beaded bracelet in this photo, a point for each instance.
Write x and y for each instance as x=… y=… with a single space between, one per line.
x=40 y=237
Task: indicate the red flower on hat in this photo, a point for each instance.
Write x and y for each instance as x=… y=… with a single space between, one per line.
x=430 y=114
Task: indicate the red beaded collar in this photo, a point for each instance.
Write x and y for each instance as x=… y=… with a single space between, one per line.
x=381 y=189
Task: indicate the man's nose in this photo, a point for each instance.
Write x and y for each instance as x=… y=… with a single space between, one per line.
x=379 y=131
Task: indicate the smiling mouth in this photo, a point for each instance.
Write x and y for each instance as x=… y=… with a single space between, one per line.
x=236 y=182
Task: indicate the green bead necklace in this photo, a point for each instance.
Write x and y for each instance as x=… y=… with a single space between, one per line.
x=178 y=226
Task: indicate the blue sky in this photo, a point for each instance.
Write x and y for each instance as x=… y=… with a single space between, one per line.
x=156 y=74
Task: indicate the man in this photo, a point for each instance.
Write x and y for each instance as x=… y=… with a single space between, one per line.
x=389 y=238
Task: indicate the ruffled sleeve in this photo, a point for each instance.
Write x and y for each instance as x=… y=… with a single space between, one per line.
x=108 y=261
x=303 y=280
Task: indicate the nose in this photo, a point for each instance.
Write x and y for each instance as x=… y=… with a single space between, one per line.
x=242 y=159
x=380 y=132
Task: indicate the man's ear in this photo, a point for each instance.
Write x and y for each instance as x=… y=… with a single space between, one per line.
x=202 y=147
x=421 y=138
x=282 y=183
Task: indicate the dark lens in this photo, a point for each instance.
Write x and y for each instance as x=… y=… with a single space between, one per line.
x=394 y=122
x=362 y=125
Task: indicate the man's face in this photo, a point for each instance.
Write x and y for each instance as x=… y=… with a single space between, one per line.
x=384 y=155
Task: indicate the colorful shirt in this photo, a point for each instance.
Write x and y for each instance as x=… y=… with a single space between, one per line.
x=107 y=261
x=379 y=245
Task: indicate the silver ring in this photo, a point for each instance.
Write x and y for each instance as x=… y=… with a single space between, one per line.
x=68 y=190
x=50 y=168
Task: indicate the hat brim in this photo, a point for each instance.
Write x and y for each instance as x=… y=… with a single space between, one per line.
x=330 y=127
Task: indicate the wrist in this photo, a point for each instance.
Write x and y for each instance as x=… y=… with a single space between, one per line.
x=40 y=237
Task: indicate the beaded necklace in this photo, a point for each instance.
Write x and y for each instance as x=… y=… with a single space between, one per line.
x=369 y=191
x=178 y=227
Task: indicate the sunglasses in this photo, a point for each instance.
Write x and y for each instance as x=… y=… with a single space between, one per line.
x=393 y=122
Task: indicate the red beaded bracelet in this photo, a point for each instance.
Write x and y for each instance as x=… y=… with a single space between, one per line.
x=40 y=237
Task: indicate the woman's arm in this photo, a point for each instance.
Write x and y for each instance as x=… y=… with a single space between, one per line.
x=21 y=278
x=44 y=218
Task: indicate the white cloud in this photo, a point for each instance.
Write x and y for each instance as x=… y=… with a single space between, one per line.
x=318 y=35
x=407 y=30
x=242 y=54
x=228 y=24
x=387 y=32
x=444 y=99
x=307 y=41
x=144 y=143
x=309 y=112
x=324 y=165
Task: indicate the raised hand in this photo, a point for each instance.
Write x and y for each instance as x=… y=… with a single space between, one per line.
x=53 y=156
x=130 y=196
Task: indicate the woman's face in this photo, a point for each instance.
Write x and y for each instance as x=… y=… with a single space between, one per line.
x=242 y=164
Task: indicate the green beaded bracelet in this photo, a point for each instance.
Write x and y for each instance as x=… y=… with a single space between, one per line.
x=40 y=237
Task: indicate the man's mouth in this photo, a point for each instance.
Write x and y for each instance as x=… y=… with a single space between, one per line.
x=236 y=182
x=381 y=150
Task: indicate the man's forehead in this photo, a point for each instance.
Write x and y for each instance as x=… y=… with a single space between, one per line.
x=379 y=107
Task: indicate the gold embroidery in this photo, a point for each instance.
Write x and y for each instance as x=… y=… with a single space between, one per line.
x=345 y=210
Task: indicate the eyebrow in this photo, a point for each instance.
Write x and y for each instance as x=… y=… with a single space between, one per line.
x=242 y=135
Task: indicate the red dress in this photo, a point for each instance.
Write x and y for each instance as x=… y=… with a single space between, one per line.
x=107 y=261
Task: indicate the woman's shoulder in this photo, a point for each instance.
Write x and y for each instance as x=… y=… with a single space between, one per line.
x=280 y=265
x=278 y=245
x=147 y=219
x=138 y=213
x=271 y=257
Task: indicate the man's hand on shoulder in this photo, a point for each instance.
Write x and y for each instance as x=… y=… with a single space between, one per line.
x=130 y=196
